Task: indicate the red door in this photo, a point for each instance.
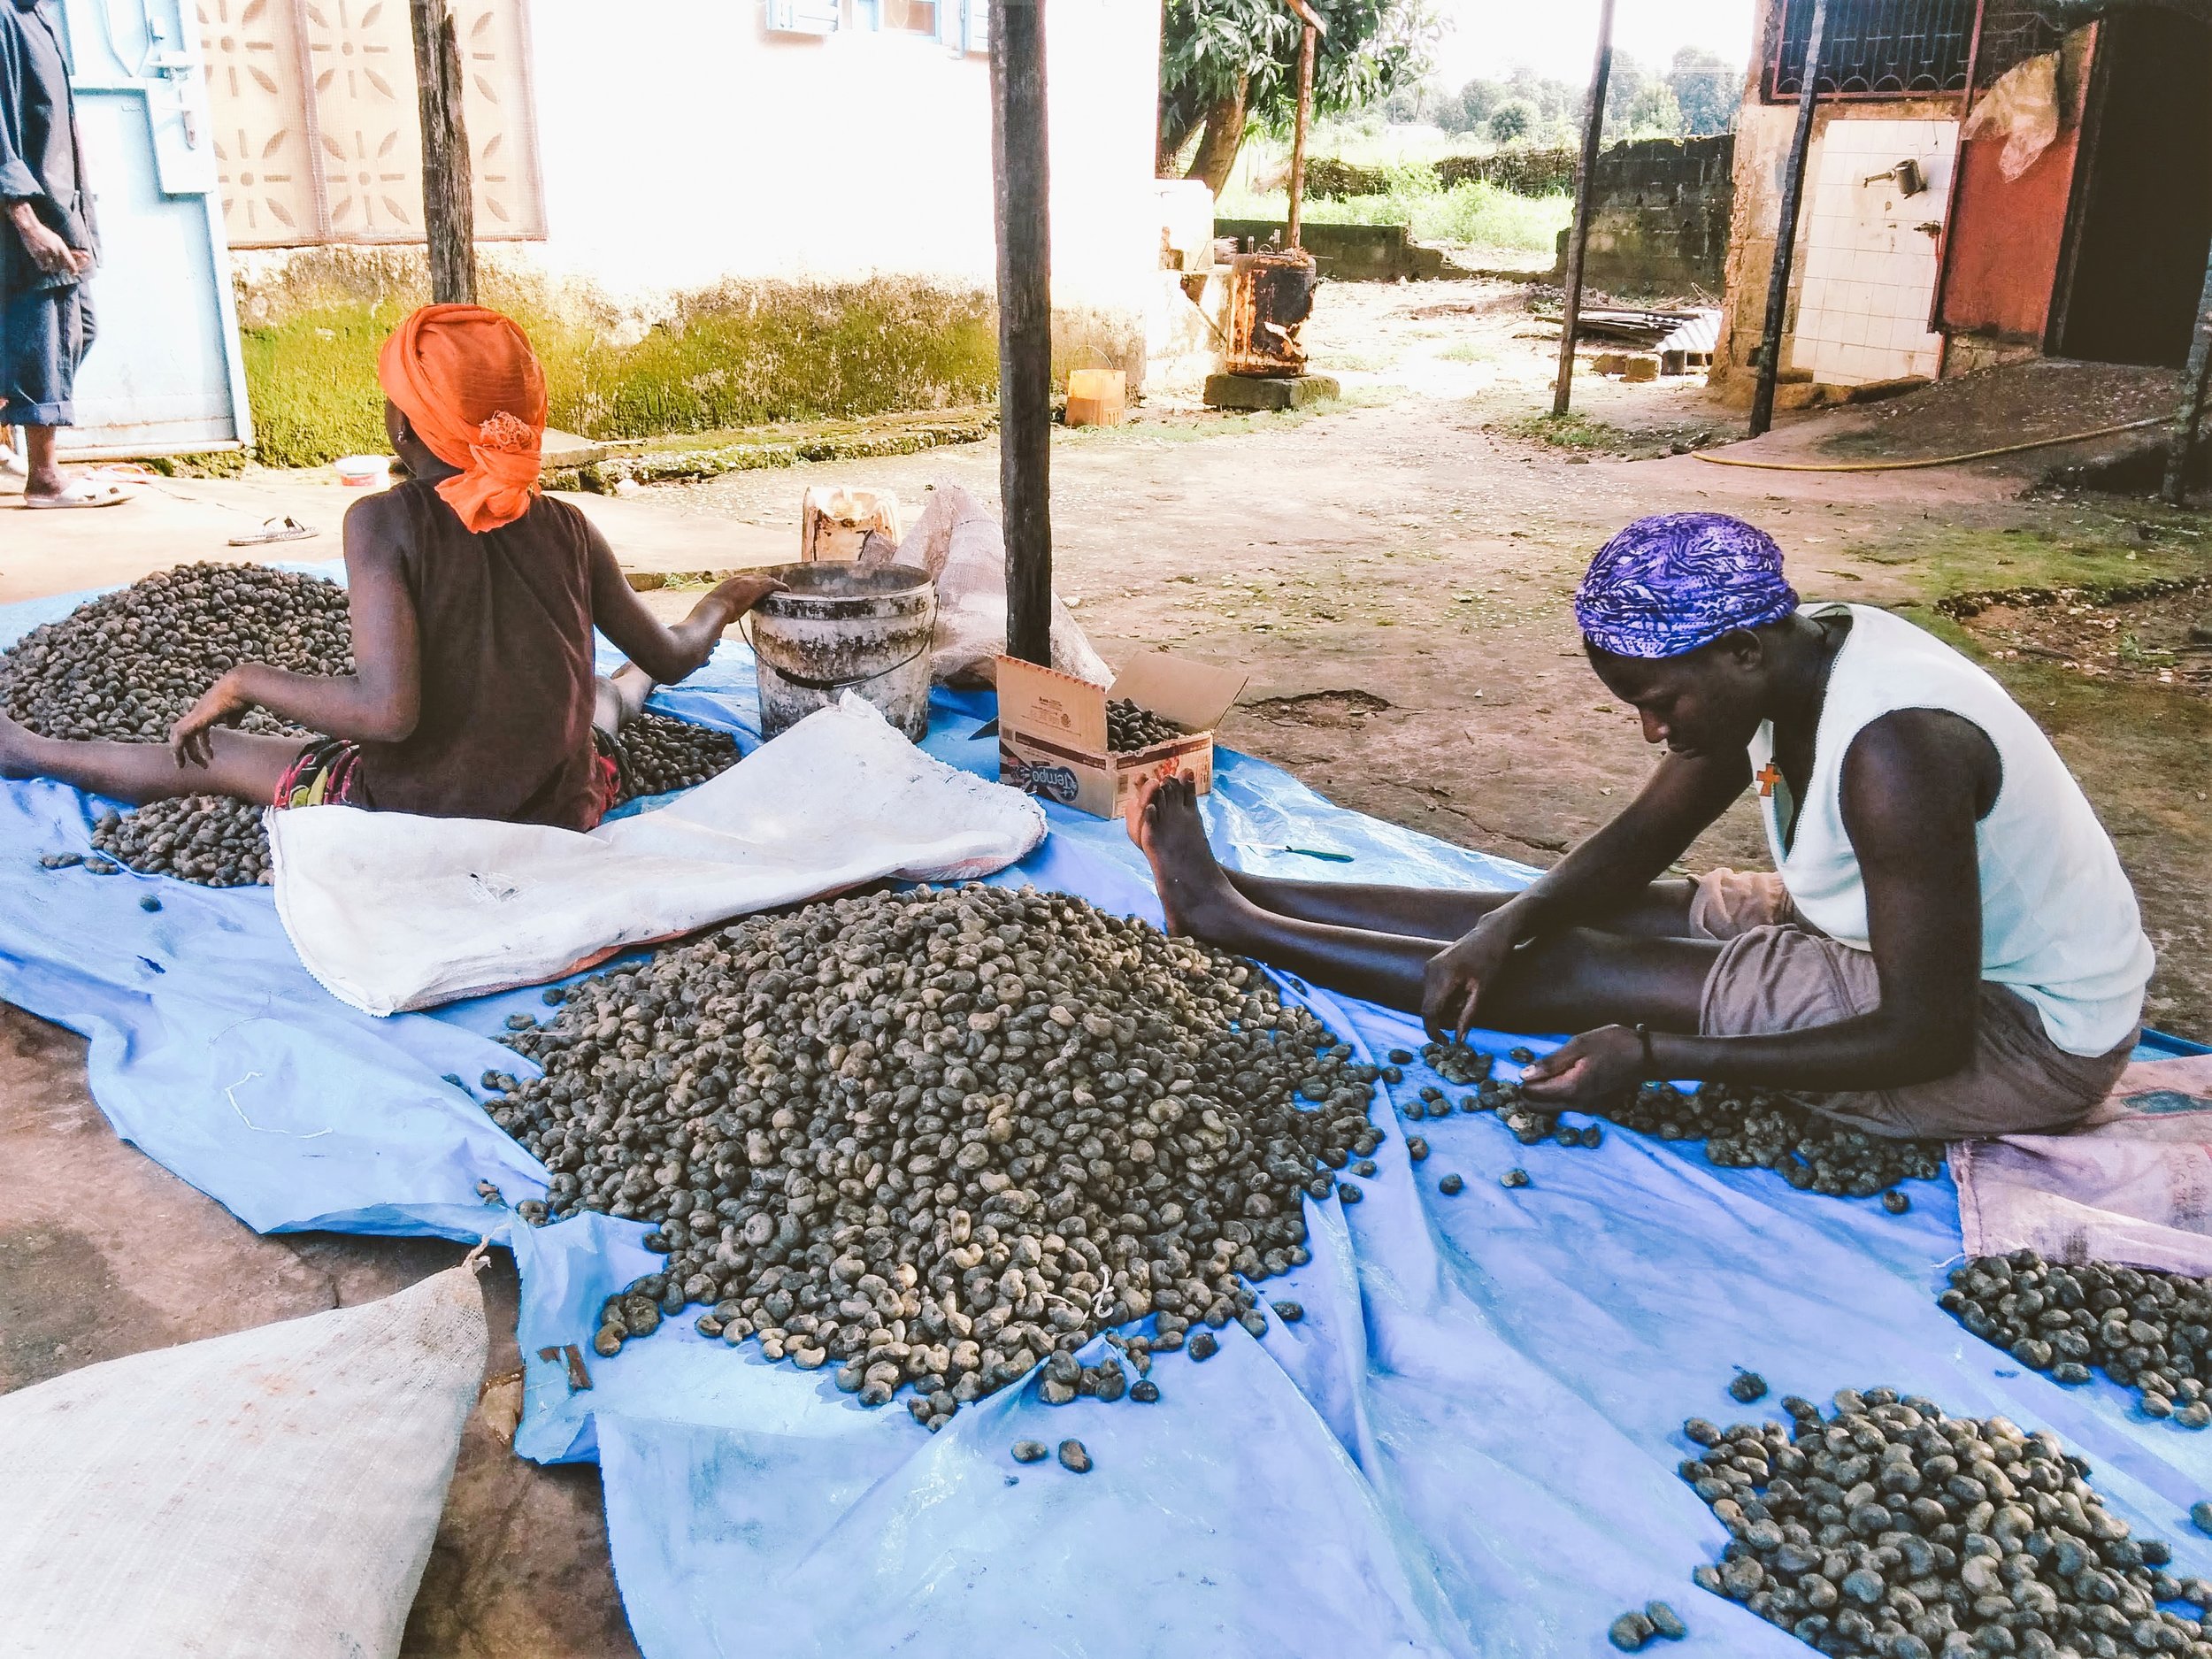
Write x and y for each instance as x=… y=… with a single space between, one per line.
x=2000 y=255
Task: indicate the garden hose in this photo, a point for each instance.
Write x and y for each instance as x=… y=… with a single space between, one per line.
x=1941 y=460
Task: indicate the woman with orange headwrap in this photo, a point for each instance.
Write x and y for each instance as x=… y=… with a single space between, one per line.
x=473 y=599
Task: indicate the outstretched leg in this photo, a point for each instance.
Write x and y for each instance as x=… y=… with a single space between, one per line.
x=1571 y=981
x=243 y=765
x=1442 y=914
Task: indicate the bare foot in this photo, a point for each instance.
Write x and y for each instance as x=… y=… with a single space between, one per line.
x=1194 y=893
x=1139 y=804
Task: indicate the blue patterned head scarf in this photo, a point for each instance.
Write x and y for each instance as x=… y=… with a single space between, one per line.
x=1674 y=582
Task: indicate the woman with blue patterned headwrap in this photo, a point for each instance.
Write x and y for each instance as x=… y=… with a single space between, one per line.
x=1947 y=946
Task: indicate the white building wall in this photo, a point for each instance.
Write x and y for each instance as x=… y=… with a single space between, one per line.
x=682 y=141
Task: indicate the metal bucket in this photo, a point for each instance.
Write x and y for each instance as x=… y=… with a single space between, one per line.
x=835 y=629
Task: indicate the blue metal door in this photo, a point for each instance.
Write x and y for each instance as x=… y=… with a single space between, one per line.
x=164 y=376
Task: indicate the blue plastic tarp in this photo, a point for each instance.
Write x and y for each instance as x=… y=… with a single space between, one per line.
x=1466 y=1446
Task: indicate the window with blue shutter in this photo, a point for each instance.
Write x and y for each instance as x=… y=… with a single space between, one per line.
x=804 y=17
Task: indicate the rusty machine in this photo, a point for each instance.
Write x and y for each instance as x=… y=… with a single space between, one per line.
x=1270 y=289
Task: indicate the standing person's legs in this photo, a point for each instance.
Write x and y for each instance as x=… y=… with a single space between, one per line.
x=41 y=476
x=44 y=335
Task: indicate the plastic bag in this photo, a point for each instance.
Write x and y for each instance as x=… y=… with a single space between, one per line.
x=272 y=1492
x=957 y=541
x=2023 y=110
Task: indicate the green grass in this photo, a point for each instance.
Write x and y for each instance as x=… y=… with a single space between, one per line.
x=1577 y=432
x=739 y=354
x=2097 y=551
x=1475 y=213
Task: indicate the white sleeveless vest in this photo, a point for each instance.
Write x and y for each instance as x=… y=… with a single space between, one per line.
x=2059 y=920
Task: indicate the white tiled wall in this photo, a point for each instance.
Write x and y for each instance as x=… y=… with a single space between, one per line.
x=1870 y=270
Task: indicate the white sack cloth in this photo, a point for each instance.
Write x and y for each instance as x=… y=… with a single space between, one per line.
x=392 y=912
x=272 y=1492
x=2132 y=1185
x=957 y=541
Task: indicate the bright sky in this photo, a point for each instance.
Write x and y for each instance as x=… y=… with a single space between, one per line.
x=1557 y=37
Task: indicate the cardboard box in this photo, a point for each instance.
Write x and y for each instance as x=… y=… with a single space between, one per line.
x=1052 y=729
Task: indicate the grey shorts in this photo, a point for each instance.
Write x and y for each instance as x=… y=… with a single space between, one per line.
x=1777 y=972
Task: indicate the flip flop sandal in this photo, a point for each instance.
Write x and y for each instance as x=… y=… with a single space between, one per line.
x=285 y=529
x=82 y=493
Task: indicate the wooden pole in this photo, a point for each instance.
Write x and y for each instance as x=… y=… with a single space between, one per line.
x=1020 y=163
x=1785 y=228
x=1307 y=37
x=1578 y=236
x=2189 y=421
x=449 y=197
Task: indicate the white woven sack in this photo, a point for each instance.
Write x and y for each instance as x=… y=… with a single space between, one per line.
x=273 y=1492
x=390 y=912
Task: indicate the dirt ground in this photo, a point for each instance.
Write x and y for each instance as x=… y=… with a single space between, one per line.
x=1394 y=573
x=2163 y=638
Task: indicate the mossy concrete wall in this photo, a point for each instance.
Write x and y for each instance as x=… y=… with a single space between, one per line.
x=1346 y=253
x=1660 y=213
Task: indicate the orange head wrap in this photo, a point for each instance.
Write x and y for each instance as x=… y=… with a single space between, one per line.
x=473 y=389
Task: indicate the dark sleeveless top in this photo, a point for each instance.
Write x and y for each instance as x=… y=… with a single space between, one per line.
x=504 y=621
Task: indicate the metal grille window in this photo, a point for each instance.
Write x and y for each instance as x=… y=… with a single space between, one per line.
x=318 y=134
x=2012 y=32
x=1878 y=48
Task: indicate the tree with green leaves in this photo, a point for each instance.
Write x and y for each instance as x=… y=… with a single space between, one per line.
x=1653 y=113
x=1709 y=88
x=1229 y=65
x=1512 y=120
x=1478 y=100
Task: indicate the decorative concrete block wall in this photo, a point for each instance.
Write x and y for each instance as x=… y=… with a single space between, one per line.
x=1660 y=215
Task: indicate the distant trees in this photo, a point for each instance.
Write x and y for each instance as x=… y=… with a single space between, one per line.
x=1699 y=93
x=1229 y=65
x=1514 y=119
x=1708 y=89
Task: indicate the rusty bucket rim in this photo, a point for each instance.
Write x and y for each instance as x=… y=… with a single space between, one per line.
x=827 y=591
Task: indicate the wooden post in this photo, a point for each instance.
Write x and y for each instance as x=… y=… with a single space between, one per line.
x=1312 y=28
x=448 y=196
x=1021 y=164
x=1785 y=228
x=2189 y=422
x=1298 y=143
x=1585 y=184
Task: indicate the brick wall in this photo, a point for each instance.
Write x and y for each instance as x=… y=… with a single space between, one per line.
x=1660 y=215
